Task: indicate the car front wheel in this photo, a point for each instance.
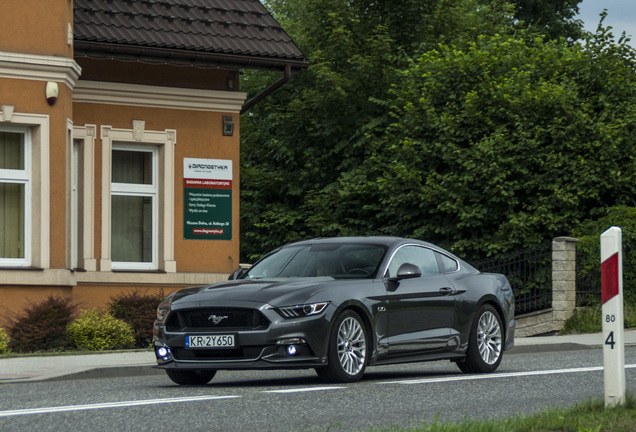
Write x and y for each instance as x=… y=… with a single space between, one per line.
x=191 y=377
x=348 y=353
x=485 y=344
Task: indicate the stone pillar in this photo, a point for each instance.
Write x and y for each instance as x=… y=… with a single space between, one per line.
x=563 y=280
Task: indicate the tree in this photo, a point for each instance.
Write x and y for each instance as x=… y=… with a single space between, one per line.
x=502 y=145
x=553 y=18
x=464 y=130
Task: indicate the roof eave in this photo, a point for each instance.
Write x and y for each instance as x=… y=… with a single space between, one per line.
x=183 y=57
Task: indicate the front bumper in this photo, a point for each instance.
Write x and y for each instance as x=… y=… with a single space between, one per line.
x=285 y=343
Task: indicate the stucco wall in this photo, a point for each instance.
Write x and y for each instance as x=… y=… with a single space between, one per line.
x=36 y=27
x=199 y=135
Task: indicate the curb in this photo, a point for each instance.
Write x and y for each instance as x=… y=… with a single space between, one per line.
x=107 y=372
x=566 y=346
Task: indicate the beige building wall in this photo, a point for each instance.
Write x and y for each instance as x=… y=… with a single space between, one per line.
x=37 y=27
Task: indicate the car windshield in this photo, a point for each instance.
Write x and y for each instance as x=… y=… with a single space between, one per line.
x=337 y=260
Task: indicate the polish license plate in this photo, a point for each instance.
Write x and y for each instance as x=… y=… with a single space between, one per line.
x=210 y=341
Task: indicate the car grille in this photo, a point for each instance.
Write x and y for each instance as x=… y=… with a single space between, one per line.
x=236 y=354
x=217 y=318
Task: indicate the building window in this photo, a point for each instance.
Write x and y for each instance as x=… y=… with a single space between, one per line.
x=134 y=210
x=15 y=196
x=137 y=199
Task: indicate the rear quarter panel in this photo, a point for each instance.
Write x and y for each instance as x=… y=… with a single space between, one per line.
x=477 y=289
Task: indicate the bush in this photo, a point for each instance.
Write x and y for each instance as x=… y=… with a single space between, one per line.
x=589 y=233
x=41 y=326
x=4 y=342
x=97 y=330
x=139 y=311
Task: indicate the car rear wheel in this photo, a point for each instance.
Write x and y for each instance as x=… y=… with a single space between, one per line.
x=191 y=377
x=347 y=354
x=485 y=344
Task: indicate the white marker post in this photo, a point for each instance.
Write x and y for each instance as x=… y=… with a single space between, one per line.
x=613 y=320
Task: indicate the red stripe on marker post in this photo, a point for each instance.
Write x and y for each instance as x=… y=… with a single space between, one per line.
x=609 y=277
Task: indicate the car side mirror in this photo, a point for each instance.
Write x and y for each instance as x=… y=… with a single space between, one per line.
x=407 y=271
x=237 y=274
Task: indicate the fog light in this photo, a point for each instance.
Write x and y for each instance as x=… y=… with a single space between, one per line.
x=292 y=350
x=163 y=354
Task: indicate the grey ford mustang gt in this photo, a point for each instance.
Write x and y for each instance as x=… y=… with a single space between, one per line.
x=338 y=305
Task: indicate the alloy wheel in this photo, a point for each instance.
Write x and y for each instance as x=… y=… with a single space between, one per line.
x=489 y=338
x=352 y=346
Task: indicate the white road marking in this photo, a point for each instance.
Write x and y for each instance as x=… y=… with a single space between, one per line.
x=500 y=375
x=121 y=404
x=301 y=390
x=124 y=404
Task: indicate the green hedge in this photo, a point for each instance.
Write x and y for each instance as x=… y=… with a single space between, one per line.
x=97 y=330
x=4 y=342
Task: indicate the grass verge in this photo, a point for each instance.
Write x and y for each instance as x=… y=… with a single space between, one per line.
x=588 y=319
x=590 y=416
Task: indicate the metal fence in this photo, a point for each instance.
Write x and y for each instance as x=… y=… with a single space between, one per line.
x=529 y=272
x=588 y=282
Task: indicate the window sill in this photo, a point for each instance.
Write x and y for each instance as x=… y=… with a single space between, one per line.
x=2 y=268
x=138 y=271
x=37 y=276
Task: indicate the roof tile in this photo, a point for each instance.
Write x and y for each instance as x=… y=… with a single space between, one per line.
x=237 y=27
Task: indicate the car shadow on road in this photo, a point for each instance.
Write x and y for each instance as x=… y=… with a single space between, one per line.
x=250 y=379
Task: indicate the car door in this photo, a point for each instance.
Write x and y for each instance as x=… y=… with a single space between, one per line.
x=421 y=310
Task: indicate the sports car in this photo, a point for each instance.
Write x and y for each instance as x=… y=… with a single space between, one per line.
x=338 y=305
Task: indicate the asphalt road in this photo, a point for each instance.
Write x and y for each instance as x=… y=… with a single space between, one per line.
x=390 y=396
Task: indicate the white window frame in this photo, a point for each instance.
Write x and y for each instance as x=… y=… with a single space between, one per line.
x=140 y=190
x=74 y=203
x=21 y=177
x=39 y=206
x=163 y=142
x=83 y=241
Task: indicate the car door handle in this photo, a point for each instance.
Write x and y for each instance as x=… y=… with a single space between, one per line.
x=446 y=291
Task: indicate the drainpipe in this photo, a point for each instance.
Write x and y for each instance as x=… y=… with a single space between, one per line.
x=269 y=90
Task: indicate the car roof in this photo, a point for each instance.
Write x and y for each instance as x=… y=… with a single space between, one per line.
x=388 y=241
x=378 y=240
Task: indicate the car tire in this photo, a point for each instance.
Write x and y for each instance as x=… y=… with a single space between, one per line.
x=191 y=377
x=485 y=343
x=348 y=350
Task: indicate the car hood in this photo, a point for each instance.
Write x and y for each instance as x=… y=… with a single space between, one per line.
x=274 y=292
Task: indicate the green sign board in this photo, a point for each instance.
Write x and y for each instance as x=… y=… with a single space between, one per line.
x=207 y=199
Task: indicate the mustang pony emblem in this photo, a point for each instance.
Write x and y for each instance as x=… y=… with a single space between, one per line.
x=216 y=319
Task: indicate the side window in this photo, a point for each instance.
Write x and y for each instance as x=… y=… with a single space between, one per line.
x=447 y=264
x=422 y=257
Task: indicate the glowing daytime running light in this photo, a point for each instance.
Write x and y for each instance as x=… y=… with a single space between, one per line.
x=299 y=311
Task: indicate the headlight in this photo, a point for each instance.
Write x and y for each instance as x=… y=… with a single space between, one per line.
x=164 y=308
x=304 y=310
